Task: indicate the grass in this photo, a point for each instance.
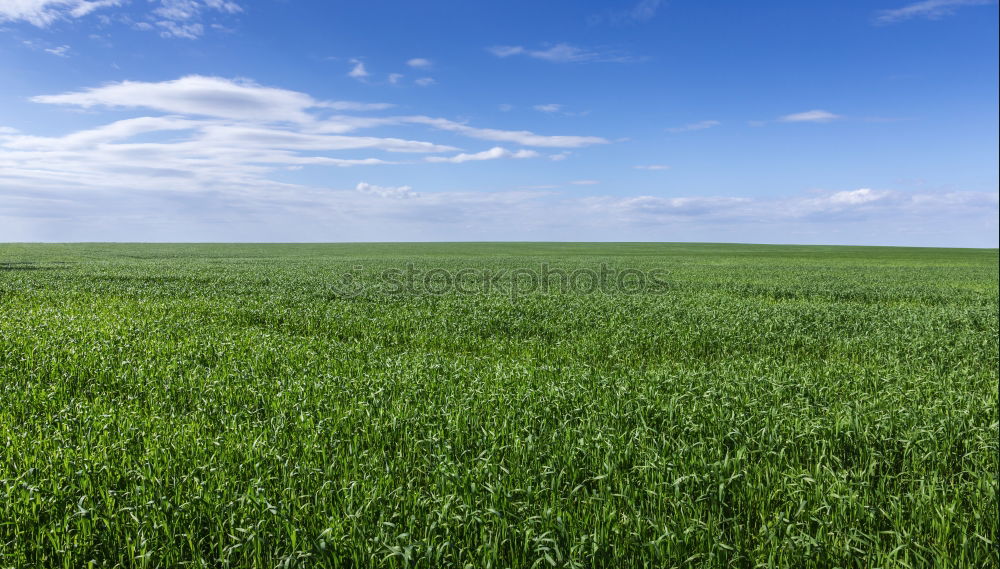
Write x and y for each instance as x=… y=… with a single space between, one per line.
x=241 y=406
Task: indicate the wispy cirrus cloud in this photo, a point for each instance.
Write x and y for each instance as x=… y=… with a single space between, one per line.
x=700 y=125
x=558 y=108
x=491 y=154
x=211 y=134
x=548 y=108
x=183 y=18
x=207 y=158
x=185 y=154
x=275 y=211
x=51 y=49
x=521 y=137
x=926 y=9
x=171 y=18
x=42 y=13
x=563 y=53
x=208 y=96
x=817 y=115
x=640 y=12
x=419 y=63
x=396 y=192
x=644 y=10
x=58 y=51
x=821 y=208
x=652 y=167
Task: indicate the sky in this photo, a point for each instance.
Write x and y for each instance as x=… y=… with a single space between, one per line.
x=869 y=122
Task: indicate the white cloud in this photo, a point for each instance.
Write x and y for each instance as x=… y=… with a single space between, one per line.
x=927 y=9
x=811 y=116
x=198 y=95
x=425 y=81
x=119 y=130
x=185 y=30
x=209 y=96
x=585 y=182
x=856 y=197
x=419 y=63
x=174 y=18
x=358 y=71
x=558 y=157
x=701 y=125
x=396 y=192
x=220 y=134
x=246 y=100
x=182 y=18
x=539 y=187
x=562 y=53
x=652 y=167
x=491 y=154
x=41 y=13
x=353 y=106
x=506 y=50
x=820 y=209
x=185 y=154
x=60 y=51
x=521 y=137
x=183 y=10
x=395 y=78
x=253 y=136
x=651 y=209
x=215 y=136
x=245 y=207
x=642 y=11
x=549 y=108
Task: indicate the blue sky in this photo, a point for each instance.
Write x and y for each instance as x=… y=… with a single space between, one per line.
x=853 y=122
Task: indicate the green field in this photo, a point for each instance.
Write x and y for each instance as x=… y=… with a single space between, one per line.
x=252 y=406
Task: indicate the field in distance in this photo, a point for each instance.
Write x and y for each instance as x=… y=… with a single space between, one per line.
x=498 y=405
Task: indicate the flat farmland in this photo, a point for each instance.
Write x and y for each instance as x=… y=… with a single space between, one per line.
x=498 y=405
